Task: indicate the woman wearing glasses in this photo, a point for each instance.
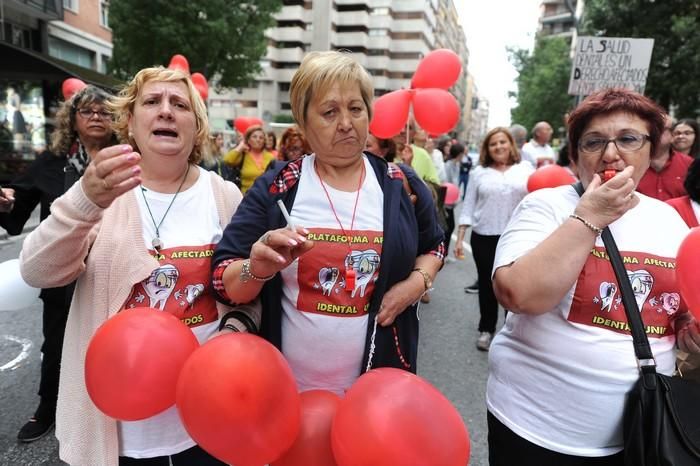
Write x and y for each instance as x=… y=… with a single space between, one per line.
x=560 y=368
x=83 y=128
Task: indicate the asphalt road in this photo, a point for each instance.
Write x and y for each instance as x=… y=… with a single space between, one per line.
x=448 y=359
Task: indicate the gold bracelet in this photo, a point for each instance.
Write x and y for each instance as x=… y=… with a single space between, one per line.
x=590 y=226
x=427 y=279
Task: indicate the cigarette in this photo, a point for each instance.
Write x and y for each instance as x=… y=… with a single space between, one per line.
x=290 y=224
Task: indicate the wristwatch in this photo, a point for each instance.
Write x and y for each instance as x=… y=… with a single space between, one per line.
x=427 y=280
x=247 y=274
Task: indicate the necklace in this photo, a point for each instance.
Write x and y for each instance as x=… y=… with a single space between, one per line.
x=157 y=243
x=349 y=269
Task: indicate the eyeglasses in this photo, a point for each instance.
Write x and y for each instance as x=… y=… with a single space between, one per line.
x=88 y=113
x=627 y=142
x=683 y=133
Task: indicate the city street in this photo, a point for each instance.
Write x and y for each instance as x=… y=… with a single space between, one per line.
x=448 y=358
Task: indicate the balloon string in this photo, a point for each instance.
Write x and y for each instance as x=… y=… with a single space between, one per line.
x=372 y=346
x=408 y=125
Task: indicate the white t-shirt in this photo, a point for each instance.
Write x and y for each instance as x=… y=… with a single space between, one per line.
x=181 y=286
x=491 y=197
x=538 y=155
x=559 y=379
x=324 y=325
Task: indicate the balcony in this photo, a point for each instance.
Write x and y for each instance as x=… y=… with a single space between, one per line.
x=293 y=13
x=349 y=39
x=350 y=18
x=288 y=34
x=295 y=54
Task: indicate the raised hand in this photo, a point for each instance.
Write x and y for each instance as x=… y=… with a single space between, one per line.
x=113 y=171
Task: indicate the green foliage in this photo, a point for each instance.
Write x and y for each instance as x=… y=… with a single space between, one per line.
x=542 y=83
x=282 y=118
x=675 y=61
x=221 y=38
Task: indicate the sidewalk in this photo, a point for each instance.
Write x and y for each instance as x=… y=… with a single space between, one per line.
x=31 y=224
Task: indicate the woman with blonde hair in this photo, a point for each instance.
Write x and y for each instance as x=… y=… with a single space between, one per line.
x=250 y=157
x=343 y=277
x=115 y=232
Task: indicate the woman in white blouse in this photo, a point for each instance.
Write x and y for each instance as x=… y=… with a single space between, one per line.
x=495 y=188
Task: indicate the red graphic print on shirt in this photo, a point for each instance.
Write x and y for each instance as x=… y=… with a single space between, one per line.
x=321 y=272
x=597 y=299
x=180 y=286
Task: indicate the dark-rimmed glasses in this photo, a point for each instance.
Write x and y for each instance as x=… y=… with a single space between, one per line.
x=87 y=113
x=626 y=142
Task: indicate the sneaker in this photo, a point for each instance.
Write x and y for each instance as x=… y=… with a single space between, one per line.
x=35 y=429
x=484 y=341
x=473 y=288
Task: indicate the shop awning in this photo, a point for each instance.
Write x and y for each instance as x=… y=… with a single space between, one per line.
x=24 y=64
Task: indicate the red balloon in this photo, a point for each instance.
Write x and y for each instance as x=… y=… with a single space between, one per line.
x=133 y=362
x=243 y=123
x=390 y=113
x=687 y=269
x=436 y=110
x=549 y=176
x=452 y=194
x=313 y=445
x=179 y=62
x=440 y=68
x=200 y=83
x=391 y=417
x=238 y=400
x=70 y=86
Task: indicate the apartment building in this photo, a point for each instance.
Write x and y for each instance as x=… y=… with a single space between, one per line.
x=387 y=37
x=558 y=17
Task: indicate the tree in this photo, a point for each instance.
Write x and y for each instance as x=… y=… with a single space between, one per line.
x=542 y=82
x=675 y=61
x=223 y=38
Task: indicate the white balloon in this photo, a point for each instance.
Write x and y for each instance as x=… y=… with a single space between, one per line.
x=14 y=292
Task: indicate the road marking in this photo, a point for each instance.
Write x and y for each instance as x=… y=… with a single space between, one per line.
x=24 y=354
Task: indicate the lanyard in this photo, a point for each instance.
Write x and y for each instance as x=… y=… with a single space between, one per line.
x=349 y=269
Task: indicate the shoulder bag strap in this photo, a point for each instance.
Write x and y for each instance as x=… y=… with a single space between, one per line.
x=642 y=350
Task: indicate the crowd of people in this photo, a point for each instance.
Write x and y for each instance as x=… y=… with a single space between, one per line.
x=332 y=217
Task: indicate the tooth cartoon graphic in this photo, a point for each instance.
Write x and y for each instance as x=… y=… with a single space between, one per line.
x=327 y=277
x=607 y=295
x=642 y=282
x=192 y=292
x=365 y=264
x=160 y=285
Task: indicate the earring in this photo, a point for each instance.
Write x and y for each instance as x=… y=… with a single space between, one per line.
x=131 y=135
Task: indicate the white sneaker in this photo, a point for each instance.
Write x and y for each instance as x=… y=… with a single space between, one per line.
x=484 y=341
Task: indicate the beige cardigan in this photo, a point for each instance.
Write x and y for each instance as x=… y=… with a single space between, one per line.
x=104 y=250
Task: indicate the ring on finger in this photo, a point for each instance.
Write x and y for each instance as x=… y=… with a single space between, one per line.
x=264 y=238
x=105 y=184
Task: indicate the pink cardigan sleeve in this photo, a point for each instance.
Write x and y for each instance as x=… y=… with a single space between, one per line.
x=54 y=253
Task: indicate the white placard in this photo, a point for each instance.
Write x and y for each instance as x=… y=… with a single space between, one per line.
x=604 y=62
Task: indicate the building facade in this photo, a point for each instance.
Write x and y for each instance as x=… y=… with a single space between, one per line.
x=387 y=37
x=558 y=18
x=43 y=42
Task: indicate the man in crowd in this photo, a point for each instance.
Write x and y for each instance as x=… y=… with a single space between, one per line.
x=667 y=169
x=538 y=151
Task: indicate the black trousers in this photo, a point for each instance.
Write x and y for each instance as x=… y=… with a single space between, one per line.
x=450 y=218
x=484 y=252
x=194 y=456
x=506 y=448
x=54 y=316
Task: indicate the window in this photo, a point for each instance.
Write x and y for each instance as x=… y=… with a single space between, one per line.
x=379 y=11
x=104 y=13
x=71 y=5
x=378 y=32
x=71 y=53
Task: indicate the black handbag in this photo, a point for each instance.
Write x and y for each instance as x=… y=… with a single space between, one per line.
x=661 y=422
